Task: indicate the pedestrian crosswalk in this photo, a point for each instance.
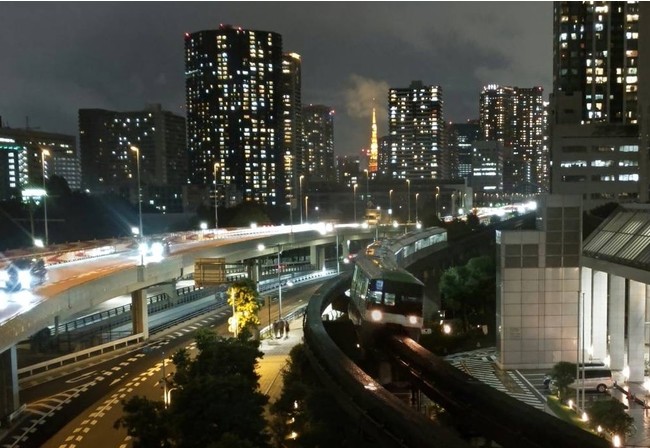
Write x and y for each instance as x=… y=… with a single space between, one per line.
x=481 y=365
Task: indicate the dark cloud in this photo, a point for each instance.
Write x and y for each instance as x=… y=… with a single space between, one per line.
x=59 y=57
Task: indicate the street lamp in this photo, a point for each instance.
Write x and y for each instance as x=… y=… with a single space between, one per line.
x=437 y=195
x=408 y=184
x=302 y=176
x=44 y=153
x=416 y=206
x=306 y=208
x=367 y=186
x=354 y=200
x=279 y=285
x=137 y=154
x=390 y=201
x=216 y=216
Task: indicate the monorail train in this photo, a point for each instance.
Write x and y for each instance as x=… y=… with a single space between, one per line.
x=383 y=295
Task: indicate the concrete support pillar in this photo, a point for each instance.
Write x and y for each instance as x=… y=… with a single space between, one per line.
x=8 y=382
x=617 y=322
x=170 y=290
x=635 y=331
x=253 y=270
x=345 y=248
x=317 y=256
x=587 y=310
x=56 y=325
x=139 y=314
x=599 y=321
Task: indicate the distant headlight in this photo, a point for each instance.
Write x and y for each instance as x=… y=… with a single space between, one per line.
x=376 y=315
x=25 y=278
x=157 y=250
x=413 y=320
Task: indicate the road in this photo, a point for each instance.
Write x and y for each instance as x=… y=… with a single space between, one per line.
x=78 y=405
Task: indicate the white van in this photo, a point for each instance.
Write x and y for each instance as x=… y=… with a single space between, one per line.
x=595 y=378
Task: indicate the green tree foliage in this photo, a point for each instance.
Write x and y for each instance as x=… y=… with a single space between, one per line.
x=244 y=297
x=563 y=373
x=611 y=415
x=308 y=410
x=215 y=401
x=470 y=290
x=147 y=422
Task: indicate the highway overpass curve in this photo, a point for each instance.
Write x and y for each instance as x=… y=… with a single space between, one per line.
x=82 y=285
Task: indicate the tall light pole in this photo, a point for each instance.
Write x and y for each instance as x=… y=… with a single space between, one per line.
x=367 y=187
x=408 y=184
x=216 y=215
x=437 y=196
x=416 y=206
x=137 y=154
x=306 y=208
x=390 y=201
x=45 y=153
x=302 y=176
x=354 y=200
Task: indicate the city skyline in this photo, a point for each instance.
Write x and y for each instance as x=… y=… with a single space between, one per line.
x=115 y=56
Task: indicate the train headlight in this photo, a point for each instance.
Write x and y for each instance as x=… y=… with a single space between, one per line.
x=376 y=315
x=25 y=278
x=413 y=320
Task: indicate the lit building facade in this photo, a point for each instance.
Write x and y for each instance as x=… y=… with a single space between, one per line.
x=318 y=155
x=598 y=144
x=514 y=116
x=460 y=140
x=292 y=135
x=110 y=165
x=233 y=81
x=26 y=155
x=347 y=172
x=416 y=130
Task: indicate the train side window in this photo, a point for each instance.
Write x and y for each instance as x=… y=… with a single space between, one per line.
x=389 y=299
x=375 y=296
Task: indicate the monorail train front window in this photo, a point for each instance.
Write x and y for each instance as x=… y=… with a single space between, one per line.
x=394 y=293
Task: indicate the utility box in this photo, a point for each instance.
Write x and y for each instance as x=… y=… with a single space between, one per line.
x=209 y=271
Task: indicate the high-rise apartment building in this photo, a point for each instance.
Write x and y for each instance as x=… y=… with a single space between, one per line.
x=348 y=169
x=514 y=117
x=318 y=154
x=292 y=135
x=233 y=82
x=416 y=130
x=28 y=155
x=110 y=165
x=598 y=147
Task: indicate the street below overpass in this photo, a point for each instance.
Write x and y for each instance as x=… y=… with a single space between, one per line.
x=76 y=406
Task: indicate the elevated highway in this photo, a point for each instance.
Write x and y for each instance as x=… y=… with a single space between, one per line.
x=77 y=286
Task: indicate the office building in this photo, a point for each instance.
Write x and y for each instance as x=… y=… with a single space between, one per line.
x=599 y=148
x=318 y=155
x=233 y=81
x=110 y=165
x=460 y=140
x=27 y=155
x=416 y=130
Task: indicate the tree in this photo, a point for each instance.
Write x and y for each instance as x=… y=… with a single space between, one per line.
x=563 y=373
x=470 y=289
x=216 y=400
x=244 y=298
x=146 y=421
x=610 y=414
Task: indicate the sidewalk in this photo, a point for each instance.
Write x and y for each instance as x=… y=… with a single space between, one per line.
x=633 y=395
x=276 y=356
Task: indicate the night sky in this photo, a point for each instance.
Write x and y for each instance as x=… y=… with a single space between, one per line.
x=58 y=57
